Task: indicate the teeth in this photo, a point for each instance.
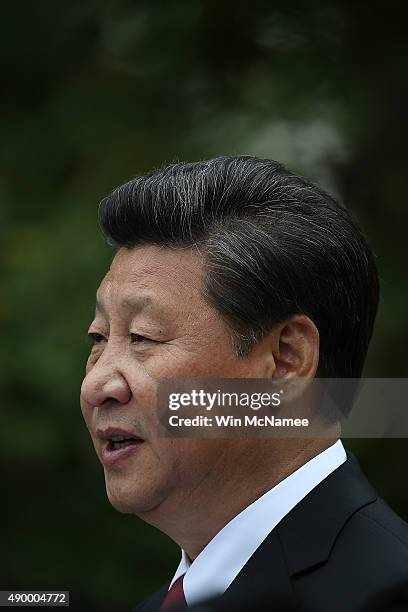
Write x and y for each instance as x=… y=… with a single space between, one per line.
x=117 y=445
x=119 y=438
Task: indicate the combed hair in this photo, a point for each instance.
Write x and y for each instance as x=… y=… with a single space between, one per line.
x=273 y=243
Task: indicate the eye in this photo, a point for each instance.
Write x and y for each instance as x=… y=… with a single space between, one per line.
x=95 y=337
x=138 y=339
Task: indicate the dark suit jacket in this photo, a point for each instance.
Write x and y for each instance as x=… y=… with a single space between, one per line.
x=341 y=549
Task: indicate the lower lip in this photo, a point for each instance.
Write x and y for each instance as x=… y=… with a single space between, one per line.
x=112 y=457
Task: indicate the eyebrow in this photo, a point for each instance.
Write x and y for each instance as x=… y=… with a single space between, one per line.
x=134 y=303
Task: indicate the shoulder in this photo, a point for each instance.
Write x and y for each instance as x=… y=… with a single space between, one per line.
x=385 y=521
x=367 y=568
x=344 y=546
x=377 y=535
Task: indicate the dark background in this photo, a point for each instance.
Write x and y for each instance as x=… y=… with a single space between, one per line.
x=95 y=92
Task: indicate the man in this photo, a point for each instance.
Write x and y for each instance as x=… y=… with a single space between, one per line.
x=237 y=268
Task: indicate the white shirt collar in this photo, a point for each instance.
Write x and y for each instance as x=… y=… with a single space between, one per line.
x=226 y=554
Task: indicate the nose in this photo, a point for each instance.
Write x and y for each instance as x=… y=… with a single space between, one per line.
x=105 y=384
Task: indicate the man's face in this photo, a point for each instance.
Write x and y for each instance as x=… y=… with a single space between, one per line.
x=151 y=322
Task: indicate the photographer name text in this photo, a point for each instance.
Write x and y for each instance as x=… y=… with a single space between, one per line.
x=232 y=421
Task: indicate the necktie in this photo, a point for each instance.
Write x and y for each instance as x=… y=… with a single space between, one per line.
x=175 y=597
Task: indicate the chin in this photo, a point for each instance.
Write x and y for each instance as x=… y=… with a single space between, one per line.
x=134 y=498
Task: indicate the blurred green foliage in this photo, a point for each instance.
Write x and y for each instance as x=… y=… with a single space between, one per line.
x=96 y=92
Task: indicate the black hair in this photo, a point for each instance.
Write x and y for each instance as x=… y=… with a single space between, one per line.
x=274 y=245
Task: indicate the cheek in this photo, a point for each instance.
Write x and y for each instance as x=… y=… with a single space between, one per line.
x=201 y=361
x=193 y=459
x=216 y=363
x=92 y=359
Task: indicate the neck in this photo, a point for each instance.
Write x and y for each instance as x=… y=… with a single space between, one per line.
x=194 y=517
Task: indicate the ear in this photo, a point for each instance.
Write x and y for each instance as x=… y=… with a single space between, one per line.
x=295 y=348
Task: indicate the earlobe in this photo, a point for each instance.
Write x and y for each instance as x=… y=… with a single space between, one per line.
x=280 y=371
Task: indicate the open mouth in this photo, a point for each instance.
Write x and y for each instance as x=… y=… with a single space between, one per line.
x=117 y=442
x=118 y=445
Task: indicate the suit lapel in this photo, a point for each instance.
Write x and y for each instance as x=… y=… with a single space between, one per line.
x=309 y=531
x=264 y=574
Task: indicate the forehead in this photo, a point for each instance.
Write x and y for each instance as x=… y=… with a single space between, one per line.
x=147 y=276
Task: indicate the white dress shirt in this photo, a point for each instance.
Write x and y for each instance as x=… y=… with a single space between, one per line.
x=225 y=555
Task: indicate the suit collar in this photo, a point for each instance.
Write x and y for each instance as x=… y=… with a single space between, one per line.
x=308 y=533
